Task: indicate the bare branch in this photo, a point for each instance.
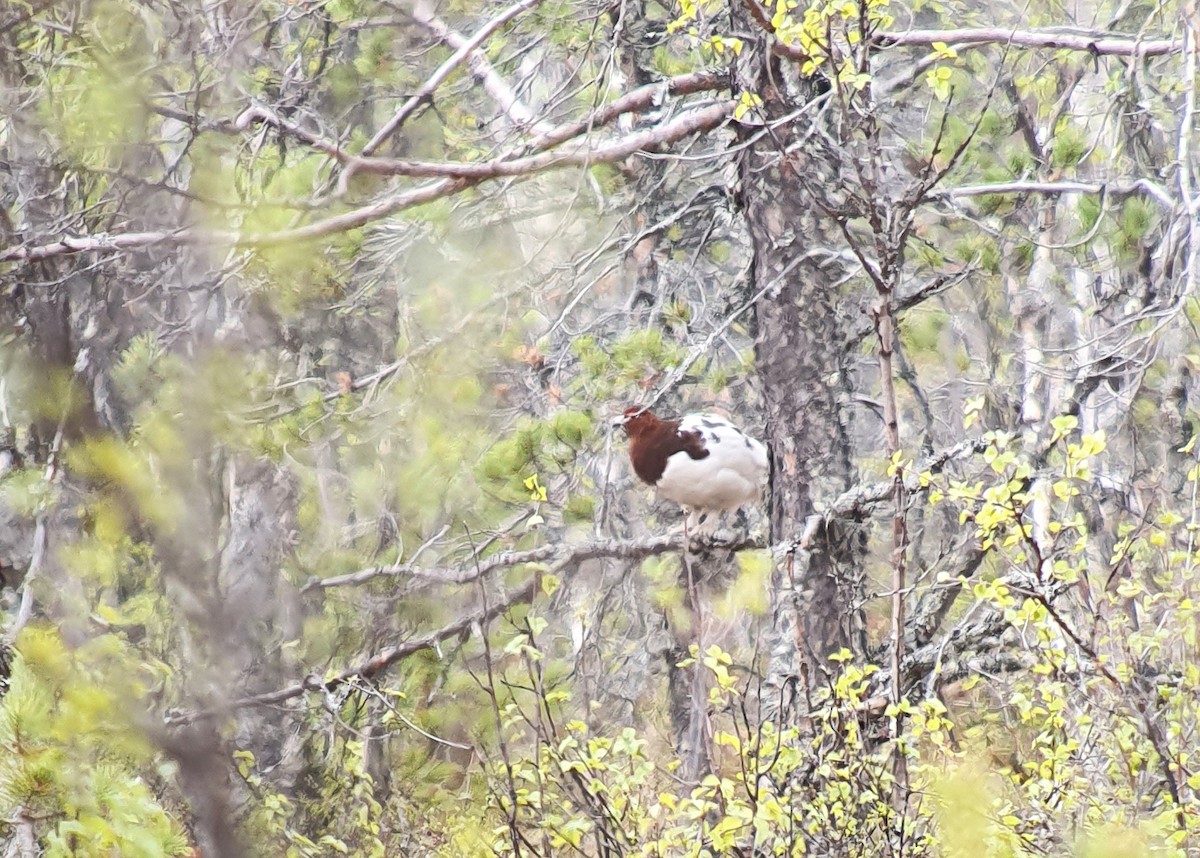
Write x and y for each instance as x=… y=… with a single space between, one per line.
x=495 y=86
x=1094 y=43
x=1187 y=130
x=1143 y=186
x=466 y=175
x=366 y=669
x=1097 y=43
x=583 y=154
x=23 y=841
x=852 y=503
x=859 y=500
x=567 y=556
x=262 y=113
x=760 y=15
x=548 y=136
x=186 y=236
x=444 y=71
x=906 y=301
x=637 y=99
x=40 y=532
x=704 y=347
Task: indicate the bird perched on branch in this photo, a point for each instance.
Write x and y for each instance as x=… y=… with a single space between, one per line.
x=702 y=462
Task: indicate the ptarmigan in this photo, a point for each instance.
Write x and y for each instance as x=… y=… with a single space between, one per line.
x=702 y=462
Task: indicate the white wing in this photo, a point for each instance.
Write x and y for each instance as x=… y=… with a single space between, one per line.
x=733 y=473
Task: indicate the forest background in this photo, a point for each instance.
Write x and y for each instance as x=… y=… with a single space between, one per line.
x=315 y=536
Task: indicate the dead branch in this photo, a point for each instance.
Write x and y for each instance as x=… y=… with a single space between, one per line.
x=583 y=154
x=23 y=841
x=493 y=84
x=1097 y=43
x=566 y=556
x=548 y=136
x=853 y=503
x=364 y=670
x=1094 y=43
x=642 y=98
x=464 y=176
x=444 y=71
x=1142 y=186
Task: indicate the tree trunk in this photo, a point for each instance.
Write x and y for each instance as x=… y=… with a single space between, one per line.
x=801 y=368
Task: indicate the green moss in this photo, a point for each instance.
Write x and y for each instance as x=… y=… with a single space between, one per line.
x=677 y=313
x=1146 y=413
x=962 y=360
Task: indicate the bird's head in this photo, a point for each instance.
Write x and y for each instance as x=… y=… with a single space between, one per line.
x=635 y=420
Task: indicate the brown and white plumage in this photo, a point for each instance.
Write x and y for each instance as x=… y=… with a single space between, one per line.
x=702 y=461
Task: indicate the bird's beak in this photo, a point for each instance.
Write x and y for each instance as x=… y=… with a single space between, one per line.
x=620 y=421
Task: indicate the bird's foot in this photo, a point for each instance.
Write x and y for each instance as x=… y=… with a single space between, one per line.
x=705 y=530
x=712 y=542
x=726 y=536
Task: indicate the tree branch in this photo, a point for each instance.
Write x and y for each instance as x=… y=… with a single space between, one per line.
x=641 y=98
x=548 y=136
x=190 y=236
x=366 y=669
x=1097 y=43
x=932 y=287
x=444 y=71
x=1143 y=186
x=566 y=556
x=495 y=86
x=583 y=154
x=852 y=503
x=458 y=177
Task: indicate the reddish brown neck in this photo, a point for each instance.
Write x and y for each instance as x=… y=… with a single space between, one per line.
x=653 y=441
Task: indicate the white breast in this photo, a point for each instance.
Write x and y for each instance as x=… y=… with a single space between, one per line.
x=733 y=473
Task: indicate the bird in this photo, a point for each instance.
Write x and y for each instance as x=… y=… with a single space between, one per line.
x=701 y=461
